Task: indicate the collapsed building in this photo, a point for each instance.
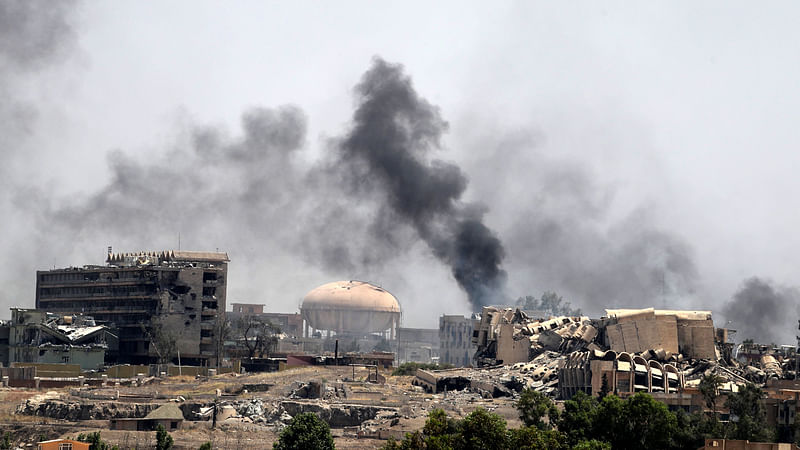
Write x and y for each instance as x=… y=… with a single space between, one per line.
x=33 y=336
x=662 y=352
x=150 y=299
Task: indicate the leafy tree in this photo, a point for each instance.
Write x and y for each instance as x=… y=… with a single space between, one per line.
x=750 y=416
x=550 y=302
x=651 y=424
x=257 y=335
x=439 y=431
x=306 y=431
x=605 y=388
x=163 y=439
x=95 y=442
x=6 y=443
x=534 y=437
x=533 y=406
x=162 y=340
x=576 y=421
x=709 y=388
x=609 y=422
x=592 y=444
x=205 y=446
x=481 y=430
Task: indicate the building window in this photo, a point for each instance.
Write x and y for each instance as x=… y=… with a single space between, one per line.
x=65 y=446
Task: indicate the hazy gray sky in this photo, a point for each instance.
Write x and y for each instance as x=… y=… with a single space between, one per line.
x=589 y=130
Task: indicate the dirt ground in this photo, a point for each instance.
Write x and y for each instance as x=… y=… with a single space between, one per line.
x=410 y=403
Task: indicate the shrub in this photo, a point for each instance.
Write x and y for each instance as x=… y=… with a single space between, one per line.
x=306 y=431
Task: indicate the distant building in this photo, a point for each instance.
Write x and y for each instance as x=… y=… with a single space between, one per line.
x=177 y=295
x=247 y=308
x=417 y=345
x=455 y=340
x=33 y=336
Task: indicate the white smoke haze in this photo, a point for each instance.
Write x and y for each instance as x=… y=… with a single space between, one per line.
x=582 y=151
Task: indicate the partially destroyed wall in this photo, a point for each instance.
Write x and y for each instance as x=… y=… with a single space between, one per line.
x=690 y=333
x=510 y=348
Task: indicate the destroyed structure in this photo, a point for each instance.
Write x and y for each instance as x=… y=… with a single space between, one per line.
x=455 y=340
x=147 y=297
x=665 y=353
x=33 y=336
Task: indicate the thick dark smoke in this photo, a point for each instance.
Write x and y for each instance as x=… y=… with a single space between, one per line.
x=389 y=148
x=764 y=311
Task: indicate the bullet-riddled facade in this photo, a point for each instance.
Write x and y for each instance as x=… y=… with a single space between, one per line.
x=172 y=295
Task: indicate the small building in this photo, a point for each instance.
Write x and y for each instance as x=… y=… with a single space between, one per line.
x=168 y=415
x=417 y=345
x=731 y=444
x=62 y=444
x=247 y=308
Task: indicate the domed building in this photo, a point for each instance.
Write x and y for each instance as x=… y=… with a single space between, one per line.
x=354 y=308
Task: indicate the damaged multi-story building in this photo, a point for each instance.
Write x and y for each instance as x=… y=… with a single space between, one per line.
x=33 y=336
x=169 y=299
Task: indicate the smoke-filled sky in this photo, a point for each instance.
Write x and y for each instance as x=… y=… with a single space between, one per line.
x=620 y=154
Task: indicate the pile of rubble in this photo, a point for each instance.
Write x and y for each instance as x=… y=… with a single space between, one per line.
x=625 y=351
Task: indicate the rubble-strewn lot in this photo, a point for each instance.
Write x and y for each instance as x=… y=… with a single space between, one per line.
x=359 y=412
x=661 y=352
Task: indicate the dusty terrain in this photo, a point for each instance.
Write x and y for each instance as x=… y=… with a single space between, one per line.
x=252 y=409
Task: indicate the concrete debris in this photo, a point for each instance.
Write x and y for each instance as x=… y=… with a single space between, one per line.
x=626 y=351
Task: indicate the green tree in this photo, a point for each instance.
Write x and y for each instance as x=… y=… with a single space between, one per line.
x=609 y=422
x=709 y=388
x=6 y=443
x=163 y=439
x=592 y=444
x=205 y=446
x=533 y=406
x=536 y=438
x=748 y=414
x=95 y=442
x=577 y=419
x=306 y=431
x=651 y=424
x=481 y=430
x=439 y=431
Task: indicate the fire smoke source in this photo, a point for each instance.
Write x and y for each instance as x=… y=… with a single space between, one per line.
x=394 y=132
x=764 y=311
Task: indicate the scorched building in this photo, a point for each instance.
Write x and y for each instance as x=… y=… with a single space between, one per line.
x=170 y=299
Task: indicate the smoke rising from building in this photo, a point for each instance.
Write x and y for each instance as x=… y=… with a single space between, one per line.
x=393 y=134
x=764 y=311
x=378 y=204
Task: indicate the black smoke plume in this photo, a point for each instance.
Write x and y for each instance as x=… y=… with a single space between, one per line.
x=764 y=311
x=389 y=148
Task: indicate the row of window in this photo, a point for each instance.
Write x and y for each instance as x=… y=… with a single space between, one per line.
x=76 y=291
